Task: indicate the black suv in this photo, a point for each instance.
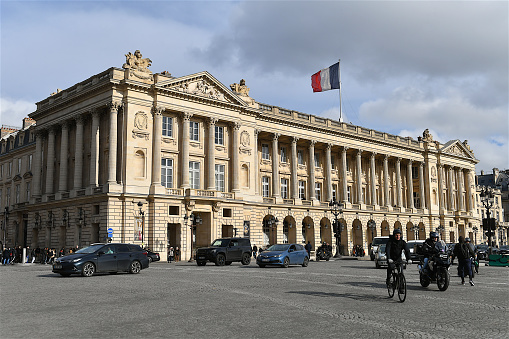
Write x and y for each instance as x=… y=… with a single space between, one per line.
x=224 y=251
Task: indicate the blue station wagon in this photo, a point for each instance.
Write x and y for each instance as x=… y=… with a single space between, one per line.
x=283 y=255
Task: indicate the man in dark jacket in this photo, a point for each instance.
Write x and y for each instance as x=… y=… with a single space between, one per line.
x=308 y=248
x=428 y=248
x=395 y=246
x=464 y=252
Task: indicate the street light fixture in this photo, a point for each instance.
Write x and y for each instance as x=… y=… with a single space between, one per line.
x=38 y=223
x=415 y=228
x=475 y=230
x=440 y=229
x=336 y=209
x=195 y=220
x=372 y=227
x=4 y=228
x=487 y=200
x=65 y=218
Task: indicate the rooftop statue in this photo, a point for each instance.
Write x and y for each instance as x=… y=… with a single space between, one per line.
x=138 y=65
x=426 y=136
x=241 y=88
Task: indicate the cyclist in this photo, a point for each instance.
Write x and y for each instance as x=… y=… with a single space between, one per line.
x=395 y=246
x=428 y=248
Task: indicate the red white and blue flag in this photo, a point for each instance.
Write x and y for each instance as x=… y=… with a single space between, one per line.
x=326 y=79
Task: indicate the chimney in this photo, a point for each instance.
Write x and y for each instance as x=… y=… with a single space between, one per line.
x=482 y=172
x=8 y=130
x=496 y=172
x=28 y=122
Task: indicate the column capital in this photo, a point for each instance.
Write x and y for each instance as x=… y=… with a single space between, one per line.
x=157 y=110
x=410 y=162
x=386 y=157
x=186 y=116
x=328 y=147
x=212 y=121
x=256 y=132
x=64 y=125
x=359 y=152
x=95 y=112
x=398 y=160
x=312 y=143
x=235 y=125
x=373 y=155
x=276 y=136
x=79 y=119
x=344 y=149
x=295 y=140
x=114 y=106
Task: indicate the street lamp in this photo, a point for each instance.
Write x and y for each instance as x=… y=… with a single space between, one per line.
x=336 y=209
x=487 y=200
x=37 y=223
x=372 y=227
x=475 y=230
x=65 y=218
x=6 y=220
x=195 y=220
x=440 y=229
x=415 y=228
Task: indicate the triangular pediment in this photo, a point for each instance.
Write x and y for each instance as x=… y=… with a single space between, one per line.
x=204 y=85
x=457 y=148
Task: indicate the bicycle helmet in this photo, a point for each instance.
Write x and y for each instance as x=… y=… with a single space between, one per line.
x=467 y=239
x=396 y=231
x=433 y=235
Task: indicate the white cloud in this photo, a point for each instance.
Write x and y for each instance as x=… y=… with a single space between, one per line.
x=12 y=112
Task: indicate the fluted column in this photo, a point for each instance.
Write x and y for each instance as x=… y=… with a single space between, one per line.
x=275 y=167
x=386 y=181
x=421 y=185
x=398 y=182
x=459 y=180
x=360 y=198
x=410 y=185
x=186 y=116
x=36 y=185
x=312 y=170
x=451 y=190
x=373 y=178
x=157 y=131
x=440 y=187
x=328 y=171
x=50 y=161
x=64 y=144
x=344 y=184
x=78 y=154
x=112 y=153
x=469 y=201
x=211 y=156
x=256 y=161
x=94 y=149
x=235 y=157
x=295 y=183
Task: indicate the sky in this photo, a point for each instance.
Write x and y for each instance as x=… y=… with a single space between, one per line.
x=405 y=65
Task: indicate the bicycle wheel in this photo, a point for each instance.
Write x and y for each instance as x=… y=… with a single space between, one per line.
x=401 y=287
x=391 y=286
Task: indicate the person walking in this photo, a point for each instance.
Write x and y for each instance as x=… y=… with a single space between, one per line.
x=177 y=254
x=254 y=250
x=171 y=255
x=308 y=248
x=464 y=252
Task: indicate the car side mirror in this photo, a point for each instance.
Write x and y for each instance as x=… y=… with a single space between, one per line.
x=100 y=253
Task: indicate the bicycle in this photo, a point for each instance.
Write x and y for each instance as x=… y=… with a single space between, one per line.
x=397 y=281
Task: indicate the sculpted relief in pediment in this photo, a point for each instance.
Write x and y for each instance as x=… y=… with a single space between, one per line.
x=201 y=87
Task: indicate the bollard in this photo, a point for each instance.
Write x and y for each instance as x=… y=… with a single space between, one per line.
x=24 y=261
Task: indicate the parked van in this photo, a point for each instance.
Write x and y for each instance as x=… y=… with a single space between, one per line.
x=377 y=241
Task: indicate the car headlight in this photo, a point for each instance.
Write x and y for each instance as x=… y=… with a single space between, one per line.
x=76 y=260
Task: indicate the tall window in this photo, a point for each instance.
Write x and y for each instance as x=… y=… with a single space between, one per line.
x=332 y=161
x=167 y=126
x=283 y=154
x=220 y=178
x=349 y=193
x=300 y=157
x=1 y=171
x=417 y=200
x=193 y=131
x=19 y=166
x=415 y=172
x=265 y=151
x=219 y=135
x=194 y=174
x=28 y=191
x=284 y=188
x=10 y=169
x=265 y=186
x=302 y=190
x=317 y=160
x=8 y=197
x=1 y=199
x=167 y=172
x=30 y=158
x=17 y=194
x=318 y=191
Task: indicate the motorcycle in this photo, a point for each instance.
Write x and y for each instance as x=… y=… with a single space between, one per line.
x=438 y=268
x=323 y=253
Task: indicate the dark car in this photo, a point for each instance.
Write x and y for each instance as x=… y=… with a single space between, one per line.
x=224 y=251
x=109 y=258
x=152 y=256
x=503 y=249
x=482 y=252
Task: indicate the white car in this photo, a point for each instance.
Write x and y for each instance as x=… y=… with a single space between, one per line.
x=377 y=241
x=381 y=257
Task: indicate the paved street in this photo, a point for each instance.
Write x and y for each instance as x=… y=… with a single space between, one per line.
x=336 y=299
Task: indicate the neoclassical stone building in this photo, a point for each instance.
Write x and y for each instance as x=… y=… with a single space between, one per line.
x=142 y=156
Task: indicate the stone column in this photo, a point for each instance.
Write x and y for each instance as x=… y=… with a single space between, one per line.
x=410 y=185
x=421 y=185
x=78 y=154
x=328 y=171
x=312 y=170
x=440 y=187
x=112 y=153
x=373 y=179
x=398 y=182
x=295 y=182
x=451 y=190
x=360 y=198
x=157 y=131
x=469 y=192
x=459 y=180
x=344 y=183
x=235 y=157
x=50 y=161
x=275 y=167
x=256 y=161
x=37 y=163
x=186 y=116
x=94 y=149
x=386 y=181
x=64 y=145
x=211 y=157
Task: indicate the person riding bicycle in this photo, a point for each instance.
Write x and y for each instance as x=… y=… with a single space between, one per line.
x=428 y=248
x=395 y=246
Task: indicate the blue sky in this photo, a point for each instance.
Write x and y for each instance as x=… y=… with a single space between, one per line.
x=405 y=65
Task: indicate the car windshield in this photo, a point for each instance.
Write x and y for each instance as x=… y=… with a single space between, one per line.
x=89 y=249
x=505 y=247
x=378 y=241
x=381 y=249
x=220 y=243
x=278 y=247
x=482 y=247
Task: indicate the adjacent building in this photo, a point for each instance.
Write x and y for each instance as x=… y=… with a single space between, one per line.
x=166 y=161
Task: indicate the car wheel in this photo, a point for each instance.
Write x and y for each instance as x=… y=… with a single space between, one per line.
x=149 y=260
x=65 y=274
x=317 y=258
x=261 y=265
x=246 y=259
x=135 y=267
x=286 y=262
x=88 y=269
x=220 y=260
x=327 y=259
x=306 y=262
x=201 y=263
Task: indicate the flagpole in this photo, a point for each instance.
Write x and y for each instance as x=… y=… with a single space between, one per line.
x=340 y=110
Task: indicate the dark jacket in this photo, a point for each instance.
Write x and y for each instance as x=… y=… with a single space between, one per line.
x=428 y=247
x=463 y=251
x=395 y=247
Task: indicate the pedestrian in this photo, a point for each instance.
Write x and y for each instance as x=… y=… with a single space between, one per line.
x=308 y=248
x=33 y=254
x=171 y=255
x=255 y=250
x=464 y=252
x=177 y=254
x=5 y=256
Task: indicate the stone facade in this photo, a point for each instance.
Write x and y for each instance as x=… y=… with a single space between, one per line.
x=142 y=154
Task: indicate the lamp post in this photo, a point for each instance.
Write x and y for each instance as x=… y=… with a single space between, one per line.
x=272 y=223
x=65 y=218
x=336 y=209
x=440 y=229
x=195 y=220
x=475 y=230
x=415 y=228
x=372 y=227
x=4 y=228
x=487 y=200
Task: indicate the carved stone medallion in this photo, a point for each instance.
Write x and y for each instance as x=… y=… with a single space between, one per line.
x=433 y=171
x=244 y=139
x=140 y=120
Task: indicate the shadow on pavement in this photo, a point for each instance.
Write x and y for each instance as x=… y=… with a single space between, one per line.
x=354 y=296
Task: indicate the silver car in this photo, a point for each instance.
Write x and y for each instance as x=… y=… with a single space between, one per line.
x=381 y=257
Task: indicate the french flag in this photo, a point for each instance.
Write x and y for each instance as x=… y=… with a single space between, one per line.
x=326 y=79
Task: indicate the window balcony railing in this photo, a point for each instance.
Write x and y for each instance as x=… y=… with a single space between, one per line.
x=175 y=191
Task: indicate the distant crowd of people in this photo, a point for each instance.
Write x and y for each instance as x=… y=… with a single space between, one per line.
x=39 y=255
